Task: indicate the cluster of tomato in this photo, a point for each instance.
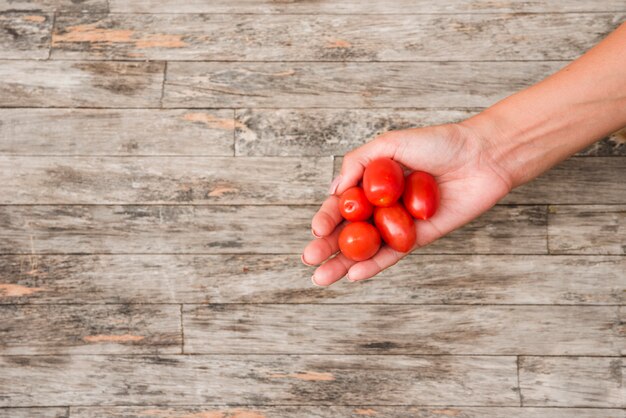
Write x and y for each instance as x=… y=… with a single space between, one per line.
x=384 y=185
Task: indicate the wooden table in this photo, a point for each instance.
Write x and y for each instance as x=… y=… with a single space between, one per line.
x=160 y=161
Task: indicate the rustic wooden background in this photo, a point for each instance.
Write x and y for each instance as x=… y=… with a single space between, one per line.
x=160 y=161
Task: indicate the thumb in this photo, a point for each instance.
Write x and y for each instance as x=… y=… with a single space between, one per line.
x=354 y=162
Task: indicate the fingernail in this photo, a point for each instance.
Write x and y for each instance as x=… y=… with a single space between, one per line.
x=333 y=186
x=304 y=261
x=348 y=278
x=315 y=234
x=314 y=282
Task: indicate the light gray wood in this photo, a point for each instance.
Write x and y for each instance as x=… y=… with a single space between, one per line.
x=418 y=279
x=116 y=132
x=258 y=380
x=572 y=381
x=402 y=329
x=587 y=229
x=54 y=412
x=90 y=329
x=575 y=181
x=370 y=7
x=336 y=85
x=80 y=84
x=320 y=132
x=200 y=180
x=339 y=411
x=43 y=229
x=72 y=6
x=25 y=35
x=298 y=37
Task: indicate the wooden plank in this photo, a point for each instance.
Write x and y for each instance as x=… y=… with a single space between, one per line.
x=329 y=38
x=319 y=132
x=43 y=229
x=258 y=380
x=587 y=229
x=80 y=84
x=356 y=6
x=198 y=180
x=575 y=181
x=90 y=329
x=336 y=85
x=418 y=279
x=116 y=132
x=53 y=412
x=25 y=35
x=402 y=329
x=572 y=381
x=356 y=411
x=66 y=6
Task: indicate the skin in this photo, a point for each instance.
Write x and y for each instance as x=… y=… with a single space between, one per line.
x=501 y=148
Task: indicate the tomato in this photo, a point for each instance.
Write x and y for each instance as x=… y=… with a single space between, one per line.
x=421 y=195
x=354 y=206
x=383 y=182
x=359 y=241
x=396 y=227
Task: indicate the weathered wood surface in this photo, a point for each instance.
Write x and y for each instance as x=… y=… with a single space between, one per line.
x=320 y=132
x=241 y=37
x=403 y=329
x=335 y=85
x=370 y=7
x=25 y=35
x=53 y=412
x=572 y=381
x=200 y=180
x=66 y=6
x=258 y=380
x=418 y=279
x=44 y=229
x=338 y=411
x=80 y=84
x=80 y=329
x=575 y=181
x=593 y=229
x=116 y=132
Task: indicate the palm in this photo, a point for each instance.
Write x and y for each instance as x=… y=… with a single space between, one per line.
x=468 y=182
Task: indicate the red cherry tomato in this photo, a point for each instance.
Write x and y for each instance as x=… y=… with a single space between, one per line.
x=359 y=241
x=396 y=227
x=383 y=182
x=421 y=195
x=354 y=206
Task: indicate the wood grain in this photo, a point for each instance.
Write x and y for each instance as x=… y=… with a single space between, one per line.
x=199 y=180
x=258 y=380
x=336 y=85
x=116 y=132
x=53 y=412
x=572 y=381
x=67 y=6
x=25 y=35
x=91 y=329
x=80 y=84
x=43 y=229
x=587 y=229
x=242 y=37
x=320 y=132
x=418 y=279
x=356 y=6
x=404 y=329
x=356 y=411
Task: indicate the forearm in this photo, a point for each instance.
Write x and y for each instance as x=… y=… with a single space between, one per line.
x=533 y=130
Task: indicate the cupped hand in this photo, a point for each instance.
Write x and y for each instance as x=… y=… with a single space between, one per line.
x=470 y=181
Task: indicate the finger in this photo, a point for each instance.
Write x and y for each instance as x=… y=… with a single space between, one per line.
x=383 y=259
x=355 y=161
x=320 y=249
x=331 y=271
x=327 y=218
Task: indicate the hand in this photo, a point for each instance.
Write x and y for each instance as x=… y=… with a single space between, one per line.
x=470 y=182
